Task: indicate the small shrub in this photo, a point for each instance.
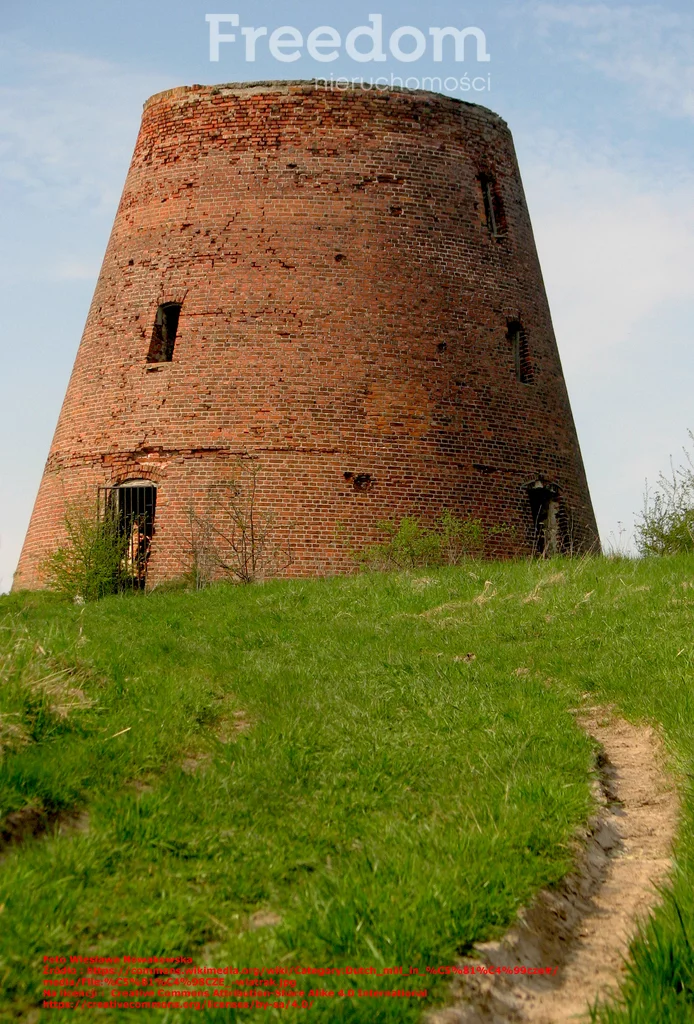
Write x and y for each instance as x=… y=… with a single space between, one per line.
x=666 y=524
x=460 y=538
x=411 y=544
x=232 y=537
x=91 y=564
x=200 y=550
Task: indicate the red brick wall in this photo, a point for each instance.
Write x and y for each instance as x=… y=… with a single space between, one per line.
x=344 y=310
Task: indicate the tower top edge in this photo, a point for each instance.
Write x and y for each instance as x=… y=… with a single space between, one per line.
x=290 y=87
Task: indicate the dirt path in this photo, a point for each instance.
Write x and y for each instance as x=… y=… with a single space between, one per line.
x=584 y=927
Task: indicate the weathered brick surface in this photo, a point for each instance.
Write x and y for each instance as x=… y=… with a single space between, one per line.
x=345 y=309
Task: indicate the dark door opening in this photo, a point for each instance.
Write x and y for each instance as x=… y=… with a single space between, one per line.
x=546 y=512
x=133 y=504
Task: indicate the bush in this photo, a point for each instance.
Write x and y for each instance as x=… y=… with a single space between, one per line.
x=231 y=536
x=666 y=524
x=411 y=544
x=92 y=562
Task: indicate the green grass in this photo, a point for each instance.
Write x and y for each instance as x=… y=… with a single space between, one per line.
x=388 y=800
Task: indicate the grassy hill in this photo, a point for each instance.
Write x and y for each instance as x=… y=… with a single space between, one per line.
x=368 y=771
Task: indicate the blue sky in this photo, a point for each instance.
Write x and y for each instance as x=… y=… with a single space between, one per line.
x=599 y=97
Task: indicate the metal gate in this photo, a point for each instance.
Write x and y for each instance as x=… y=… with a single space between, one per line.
x=132 y=504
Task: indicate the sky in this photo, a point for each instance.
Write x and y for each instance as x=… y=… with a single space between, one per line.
x=599 y=98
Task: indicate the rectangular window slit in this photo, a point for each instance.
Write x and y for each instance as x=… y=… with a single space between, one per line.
x=493 y=207
x=520 y=353
x=161 y=346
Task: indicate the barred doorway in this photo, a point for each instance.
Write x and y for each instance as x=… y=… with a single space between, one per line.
x=133 y=505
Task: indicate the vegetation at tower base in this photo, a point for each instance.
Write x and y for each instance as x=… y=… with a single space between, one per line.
x=92 y=561
x=370 y=770
x=343 y=285
x=231 y=536
x=411 y=544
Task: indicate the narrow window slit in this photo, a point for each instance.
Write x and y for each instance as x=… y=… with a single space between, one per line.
x=520 y=353
x=493 y=208
x=161 y=347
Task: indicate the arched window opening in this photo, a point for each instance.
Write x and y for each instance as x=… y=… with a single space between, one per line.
x=161 y=346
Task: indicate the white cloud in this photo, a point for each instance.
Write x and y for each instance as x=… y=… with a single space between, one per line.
x=642 y=45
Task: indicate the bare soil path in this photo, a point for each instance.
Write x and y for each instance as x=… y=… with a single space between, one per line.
x=585 y=925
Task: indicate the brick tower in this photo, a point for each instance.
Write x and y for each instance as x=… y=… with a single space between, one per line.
x=342 y=288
